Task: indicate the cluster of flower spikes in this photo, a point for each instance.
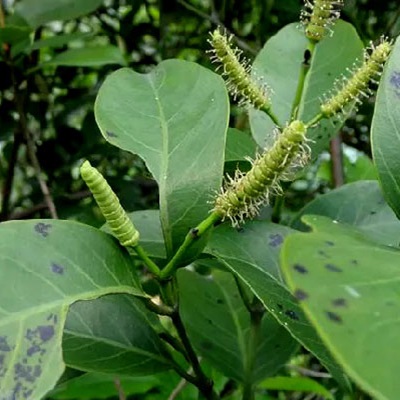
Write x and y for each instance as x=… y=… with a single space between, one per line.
x=242 y=196
x=349 y=90
x=237 y=73
x=318 y=16
x=109 y=204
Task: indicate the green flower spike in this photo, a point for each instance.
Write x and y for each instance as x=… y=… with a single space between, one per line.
x=243 y=195
x=109 y=204
x=238 y=77
x=358 y=84
x=318 y=16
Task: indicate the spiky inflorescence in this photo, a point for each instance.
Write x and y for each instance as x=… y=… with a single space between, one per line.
x=318 y=15
x=358 y=84
x=242 y=196
x=237 y=73
x=109 y=204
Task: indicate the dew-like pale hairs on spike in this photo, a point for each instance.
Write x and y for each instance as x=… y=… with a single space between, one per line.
x=243 y=195
x=237 y=73
x=318 y=16
x=356 y=86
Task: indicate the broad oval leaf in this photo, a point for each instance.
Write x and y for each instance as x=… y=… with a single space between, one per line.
x=219 y=326
x=113 y=334
x=175 y=118
x=279 y=64
x=348 y=287
x=385 y=130
x=360 y=204
x=252 y=253
x=48 y=265
x=39 y=12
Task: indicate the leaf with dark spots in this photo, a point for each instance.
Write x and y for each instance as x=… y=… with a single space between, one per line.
x=339 y=302
x=333 y=268
x=334 y=317
x=329 y=243
x=300 y=268
x=220 y=301
x=395 y=82
x=111 y=134
x=42 y=228
x=57 y=269
x=354 y=262
x=275 y=240
x=300 y=294
x=323 y=254
x=4 y=346
x=34 y=308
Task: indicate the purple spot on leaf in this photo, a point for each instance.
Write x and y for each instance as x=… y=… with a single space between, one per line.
x=32 y=350
x=291 y=314
x=111 y=134
x=57 y=269
x=300 y=268
x=275 y=240
x=340 y=302
x=333 y=268
x=46 y=332
x=42 y=229
x=395 y=82
x=4 y=346
x=300 y=294
x=334 y=317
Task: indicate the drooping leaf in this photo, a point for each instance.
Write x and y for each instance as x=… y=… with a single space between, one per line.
x=113 y=334
x=252 y=254
x=219 y=326
x=385 y=130
x=46 y=266
x=87 y=57
x=164 y=116
x=360 y=204
x=348 y=287
x=39 y=12
x=279 y=64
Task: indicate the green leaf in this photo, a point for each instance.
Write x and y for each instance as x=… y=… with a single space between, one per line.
x=87 y=57
x=252 y=254
x=102 y=386
x=147 y=222
x=39 y=12
x=219 y=326
x=385 y=130
x=59 y=40
x=239 y=146
x=175 y=118
x=360 y=204
x=113 y=334
x=279 y=64
x=332 y=57
x=296 y=384
x=14 y=34
x=348 y=287
x=49 y=265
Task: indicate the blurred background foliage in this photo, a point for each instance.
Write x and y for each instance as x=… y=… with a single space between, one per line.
x=54 y=56
x=54 y=61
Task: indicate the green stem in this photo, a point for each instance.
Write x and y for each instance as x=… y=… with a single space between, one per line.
x=305 y=67
x=256 y=315
x=193 y=235
x=159 y=309
x=204 y=384
x=314 y=120
x=151 y=265
x=273 y=116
